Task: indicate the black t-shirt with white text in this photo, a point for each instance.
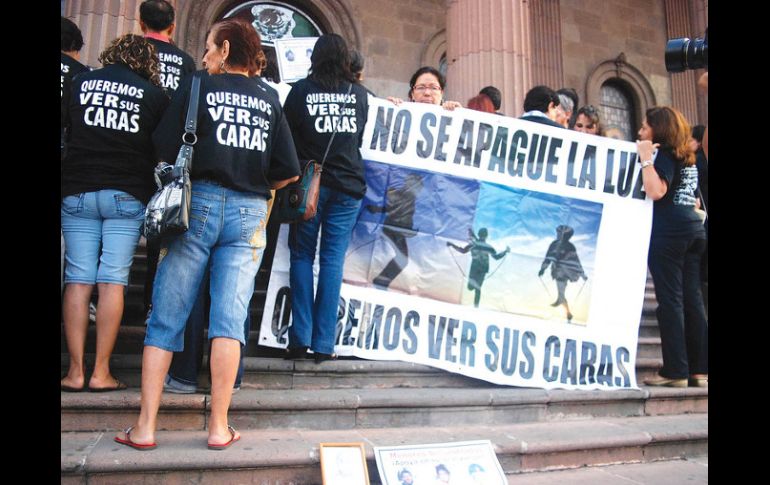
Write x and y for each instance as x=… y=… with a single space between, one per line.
x=175 y=64
x=69 y=69
x=243 y=139
x=674 y=216
x=312 y=113
x=112 y=113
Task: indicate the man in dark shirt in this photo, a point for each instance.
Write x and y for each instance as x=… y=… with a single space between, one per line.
x=540 y=105
x=156 y=19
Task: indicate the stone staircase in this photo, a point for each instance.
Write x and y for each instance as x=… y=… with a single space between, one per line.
x=286 y=408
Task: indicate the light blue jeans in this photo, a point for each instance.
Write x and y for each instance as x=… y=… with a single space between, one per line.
x=227 y=227
x=101 y=231
x=314 y=317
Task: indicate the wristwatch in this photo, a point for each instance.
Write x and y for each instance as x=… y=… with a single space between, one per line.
x=646 y=163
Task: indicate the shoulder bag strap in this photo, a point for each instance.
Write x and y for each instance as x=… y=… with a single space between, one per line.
x=191 y=123
x=329 y=145
x=189 y=138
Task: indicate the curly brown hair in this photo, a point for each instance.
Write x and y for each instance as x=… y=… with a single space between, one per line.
x=136 y=53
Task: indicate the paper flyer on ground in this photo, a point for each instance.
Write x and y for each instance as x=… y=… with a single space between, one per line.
x=468 y=462
x=492 y=247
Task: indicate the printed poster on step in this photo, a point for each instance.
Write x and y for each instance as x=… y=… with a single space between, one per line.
x=468 y=462
x=492 y=247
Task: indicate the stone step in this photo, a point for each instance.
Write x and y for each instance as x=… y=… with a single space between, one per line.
x=131 y=341
x=379 y=408
x=132 y=329
x=648 y=347
x=649 y=307
x=272 y=372
x=691 y=470
x=292 y=456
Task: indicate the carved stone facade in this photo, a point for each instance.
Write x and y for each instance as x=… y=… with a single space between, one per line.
x=512 y=44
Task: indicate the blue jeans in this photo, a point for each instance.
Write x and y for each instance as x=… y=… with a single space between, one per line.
x=314 y=318
x=675 y=268
x=227 y=230
x=186 y=365
x=101 y=231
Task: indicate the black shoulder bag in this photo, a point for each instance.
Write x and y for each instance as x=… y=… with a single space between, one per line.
x=168 y=212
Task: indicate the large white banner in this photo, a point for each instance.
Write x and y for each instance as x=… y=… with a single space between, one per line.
x=492 y=247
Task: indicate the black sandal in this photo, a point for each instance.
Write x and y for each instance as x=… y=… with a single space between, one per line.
x=296 y=353
x=321 y=357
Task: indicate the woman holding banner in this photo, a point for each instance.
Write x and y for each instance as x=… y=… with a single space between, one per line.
x=326 y=113
x=678 y=240
x=427 y=86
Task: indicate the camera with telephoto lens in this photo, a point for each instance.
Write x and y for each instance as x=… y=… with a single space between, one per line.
x=684 y=53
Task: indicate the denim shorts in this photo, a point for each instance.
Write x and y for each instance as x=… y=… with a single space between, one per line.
x=101 y=231
x=228 y=228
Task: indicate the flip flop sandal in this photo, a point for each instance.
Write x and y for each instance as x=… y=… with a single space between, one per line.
x=224 y=446
x=136 y=446
x=119 y=387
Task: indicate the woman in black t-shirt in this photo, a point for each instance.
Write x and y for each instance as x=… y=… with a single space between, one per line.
x=106 y=180
x=325 y=102
x=243 y=144
x=676 y=245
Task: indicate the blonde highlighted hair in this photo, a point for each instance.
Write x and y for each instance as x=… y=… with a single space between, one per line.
x=136 y=53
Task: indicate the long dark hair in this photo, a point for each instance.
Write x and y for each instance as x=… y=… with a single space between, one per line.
x=330 y=62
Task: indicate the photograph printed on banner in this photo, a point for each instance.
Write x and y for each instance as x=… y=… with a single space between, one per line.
x=475 y=243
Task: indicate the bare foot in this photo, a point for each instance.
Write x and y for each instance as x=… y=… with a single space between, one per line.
x=135 y=437
x=74 y=379
x=110 y=383
x=222 y=437
x=71 y=383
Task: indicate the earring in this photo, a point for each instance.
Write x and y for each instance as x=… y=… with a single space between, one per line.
x=222 y=66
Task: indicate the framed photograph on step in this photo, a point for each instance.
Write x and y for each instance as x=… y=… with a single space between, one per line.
x=344 y=464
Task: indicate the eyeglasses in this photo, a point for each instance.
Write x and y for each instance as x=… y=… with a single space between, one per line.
x=581 y=125
x=421 y=87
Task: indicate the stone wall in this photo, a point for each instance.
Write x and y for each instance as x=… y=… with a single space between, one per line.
x=594 y=31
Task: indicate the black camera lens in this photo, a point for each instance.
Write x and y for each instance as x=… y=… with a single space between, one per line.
x=682 y=54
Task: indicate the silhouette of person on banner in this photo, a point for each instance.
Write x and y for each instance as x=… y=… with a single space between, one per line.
x=480 y=252
x=399 y=219
x=565 y=264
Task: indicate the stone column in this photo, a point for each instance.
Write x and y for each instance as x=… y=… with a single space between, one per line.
x=546 y=44
x=488 y=43
x=699 y=10
x=683 y=84
x=101 y=21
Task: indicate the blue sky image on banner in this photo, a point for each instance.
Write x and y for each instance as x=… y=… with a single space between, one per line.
x=474 y=243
